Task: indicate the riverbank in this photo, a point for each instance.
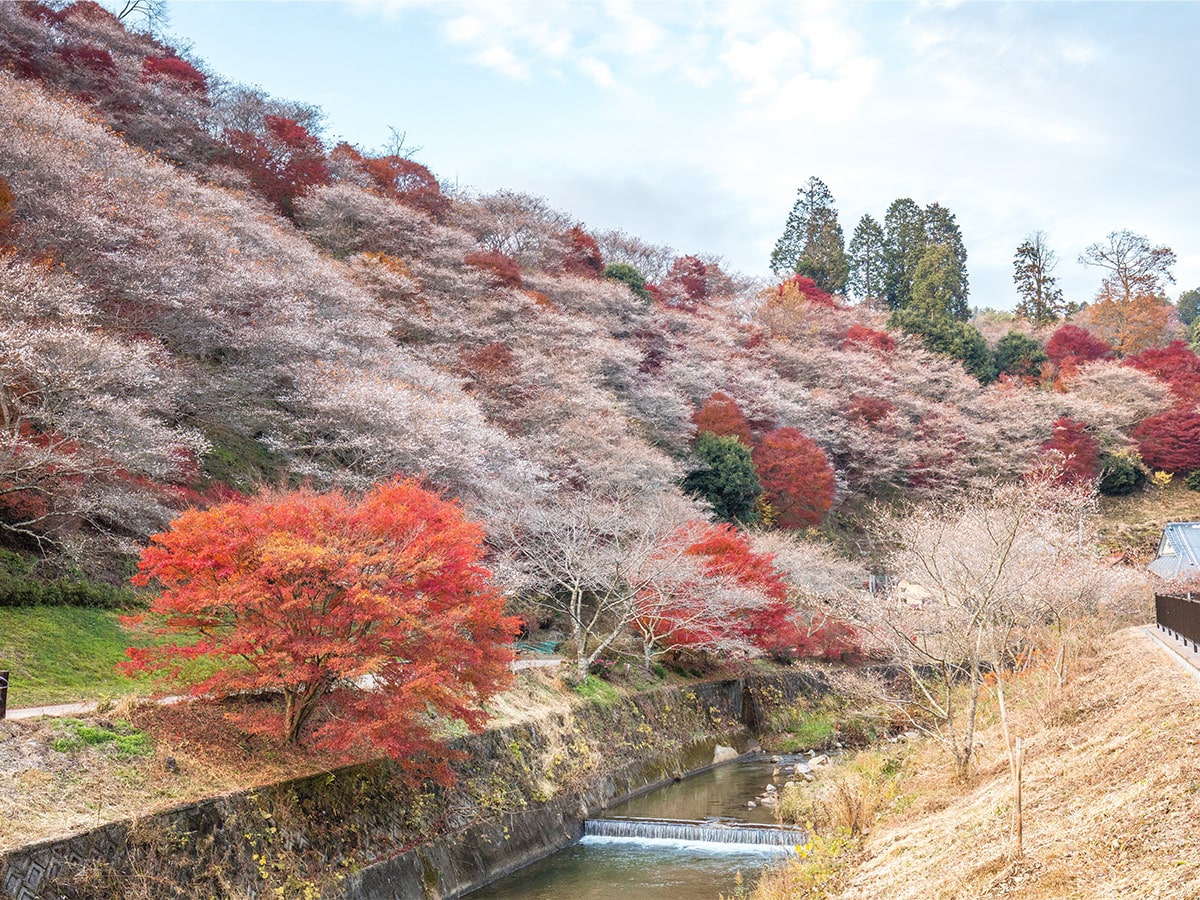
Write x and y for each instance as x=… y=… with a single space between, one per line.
x=523 y=788
x=1111 y=796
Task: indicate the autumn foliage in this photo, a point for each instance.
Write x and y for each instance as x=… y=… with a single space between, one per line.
x=733 y=597
x=372 y=617
x=282 y=161
x=1176 y=364
x=1071 y=341
x=721 y=415
x=1075 y=452
x=504 y=270
x=1170 y=441
x=582 y=255
x=177 y=70
x=862 y=337
x=796 y=477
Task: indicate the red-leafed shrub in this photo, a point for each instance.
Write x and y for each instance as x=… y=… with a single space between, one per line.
x=282 y=162
x=7 y=207
x=174 y=69
x=489 y=362
x=406 y=181
x=504 y=270
x=1073 y=342
x=43 y=13
x=721 y=415
x=796 y=477
x=805 y=289
x=1174 y=364
x=583 y=254
x=686 y=284
x=1170 y=441
x=84 y=56
x=1074 y=450
x=863 y=408
x=861 y=337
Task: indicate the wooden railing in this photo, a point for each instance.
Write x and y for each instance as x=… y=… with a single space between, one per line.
x=1179 y=616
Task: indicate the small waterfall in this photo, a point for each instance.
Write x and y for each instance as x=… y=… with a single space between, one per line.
x=706 y=832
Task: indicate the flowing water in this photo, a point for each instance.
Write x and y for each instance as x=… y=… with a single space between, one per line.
x=690 y=840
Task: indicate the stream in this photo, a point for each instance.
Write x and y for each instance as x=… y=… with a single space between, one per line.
x=708 y=839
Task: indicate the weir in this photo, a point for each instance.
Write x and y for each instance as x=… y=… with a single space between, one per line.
x=704 y=832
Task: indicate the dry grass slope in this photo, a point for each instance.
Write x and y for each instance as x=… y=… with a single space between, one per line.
x=1111 y=796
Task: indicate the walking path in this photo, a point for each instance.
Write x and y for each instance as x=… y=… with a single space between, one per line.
x=1182 y=652
x=61 y=709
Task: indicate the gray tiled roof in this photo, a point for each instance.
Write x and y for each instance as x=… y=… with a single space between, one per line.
x=1178 y=551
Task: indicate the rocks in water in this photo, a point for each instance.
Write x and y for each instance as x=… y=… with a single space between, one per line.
x=770 y=788
x=751 y=805
x=723 y=754
x=816 y=761
x=776 y=759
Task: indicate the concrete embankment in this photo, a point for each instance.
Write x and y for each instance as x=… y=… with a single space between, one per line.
x=361 y=833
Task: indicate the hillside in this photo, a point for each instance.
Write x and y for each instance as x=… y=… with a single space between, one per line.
x=204 y=299
x=1109 y=795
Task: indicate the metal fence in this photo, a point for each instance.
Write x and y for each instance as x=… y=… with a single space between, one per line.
x=1179 y=616
x=3 y=694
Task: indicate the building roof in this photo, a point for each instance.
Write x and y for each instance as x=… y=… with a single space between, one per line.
x=1178 y=551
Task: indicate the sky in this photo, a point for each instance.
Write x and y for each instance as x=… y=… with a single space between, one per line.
x=693 y=124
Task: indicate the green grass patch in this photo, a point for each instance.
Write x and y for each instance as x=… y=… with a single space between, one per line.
x=64 y=654
x=119 y=738
x=811 y=729
x=597 y=689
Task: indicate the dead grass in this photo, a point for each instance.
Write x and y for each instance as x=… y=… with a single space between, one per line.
x=1134 y=524
x=1111 y=795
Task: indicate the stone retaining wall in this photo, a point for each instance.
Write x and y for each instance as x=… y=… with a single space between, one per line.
x=358 y=833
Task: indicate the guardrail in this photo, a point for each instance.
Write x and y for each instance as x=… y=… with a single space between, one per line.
x=1179 y=616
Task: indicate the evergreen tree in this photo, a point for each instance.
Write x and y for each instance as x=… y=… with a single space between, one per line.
x=904 y=242
x=942 y=229
x=812 y=243
x=727 y=479
x=942 y=334
x=1189 y=306
x=937 y=286
x=1041 y=300
x=1017 y=354
x=867 y=261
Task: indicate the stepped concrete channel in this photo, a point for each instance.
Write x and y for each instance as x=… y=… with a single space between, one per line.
x=523 y=792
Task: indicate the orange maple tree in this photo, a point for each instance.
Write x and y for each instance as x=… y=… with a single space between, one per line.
x=372 y=617
x=796 y=477
x=721 y=415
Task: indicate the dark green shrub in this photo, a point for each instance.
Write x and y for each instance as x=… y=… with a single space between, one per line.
x=628 y=275
x=727 y=480
x=1121 y=474
x=1193 y=481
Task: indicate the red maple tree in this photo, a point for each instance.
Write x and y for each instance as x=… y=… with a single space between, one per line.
x=862 y=337
x=583 y=254
x=174 y=69
x=282 y=162
x=1073 y=342
x=796 y=477
x=372 y=617
x=1076 y=453
x=713 y=592
x=1170 y=441
x=505 y=271
x=721 y=415
x=1174 y=364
